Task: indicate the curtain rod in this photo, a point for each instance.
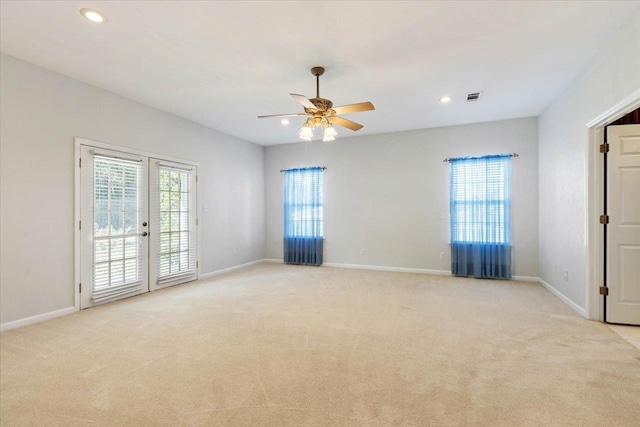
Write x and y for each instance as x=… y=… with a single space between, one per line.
x=313 y=167
x=455 y=158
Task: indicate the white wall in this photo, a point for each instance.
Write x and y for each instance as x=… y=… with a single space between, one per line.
x=40 y=114
x=563 y=136
x=385 y=193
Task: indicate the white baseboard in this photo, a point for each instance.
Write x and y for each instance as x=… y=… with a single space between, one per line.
x=227 y=270
x=385 y=268
x=36 y=319
x=273 y=260
x=402 y=269
x=581 y=311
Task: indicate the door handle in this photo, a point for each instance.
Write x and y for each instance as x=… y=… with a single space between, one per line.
x=145 y=234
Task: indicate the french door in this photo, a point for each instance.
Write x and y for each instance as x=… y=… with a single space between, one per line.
x=173 y=240
x=138 y=225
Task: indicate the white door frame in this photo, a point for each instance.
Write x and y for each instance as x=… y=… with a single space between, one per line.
x=595 y=207
x=77 y=212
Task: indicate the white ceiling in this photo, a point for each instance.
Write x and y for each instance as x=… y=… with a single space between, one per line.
x=223 y=63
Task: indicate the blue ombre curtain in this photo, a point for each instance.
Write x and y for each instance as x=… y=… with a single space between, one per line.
x=303 y=215
x=480 y=198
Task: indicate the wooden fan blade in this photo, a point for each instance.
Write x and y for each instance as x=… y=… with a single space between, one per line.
x=303 y=100
x=354 y=108
x=344 y=123
x=283 y=115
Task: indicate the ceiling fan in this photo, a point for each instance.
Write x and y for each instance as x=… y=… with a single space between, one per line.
x=321 y=113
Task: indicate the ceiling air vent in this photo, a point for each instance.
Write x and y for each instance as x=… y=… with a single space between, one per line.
x=473 y=96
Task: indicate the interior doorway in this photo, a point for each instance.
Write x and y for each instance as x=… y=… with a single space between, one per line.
x=598 y=273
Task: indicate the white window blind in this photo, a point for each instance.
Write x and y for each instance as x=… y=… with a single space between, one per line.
x=117 y=255
x=480 y=200
x=303 y=202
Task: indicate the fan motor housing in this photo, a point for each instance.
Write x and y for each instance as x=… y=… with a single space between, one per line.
x=321 y=103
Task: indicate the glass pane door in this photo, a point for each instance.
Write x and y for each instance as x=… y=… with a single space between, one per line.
x=114 y=220
x=173 y=214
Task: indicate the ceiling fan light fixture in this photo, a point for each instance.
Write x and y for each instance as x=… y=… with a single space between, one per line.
x=306 y=133
x=321 y=114
x=330 y=132
x=316 y=122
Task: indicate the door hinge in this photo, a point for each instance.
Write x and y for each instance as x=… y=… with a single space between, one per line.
x=79 y=225
x=196 y=221
x=604 y=148
x=80 y=288
x=604 y=290
x=196 y=179
x=80 y=162
x=604 y=219
x=197 y=264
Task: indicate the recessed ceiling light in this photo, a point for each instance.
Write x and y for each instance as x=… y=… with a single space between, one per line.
x=445 y=99
x=284 y=122
x=93 y=15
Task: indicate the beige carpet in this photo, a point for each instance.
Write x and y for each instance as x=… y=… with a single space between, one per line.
x=280 y=345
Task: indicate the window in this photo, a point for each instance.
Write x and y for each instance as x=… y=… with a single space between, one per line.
x=303 y=210
x=480 y=197
x=480 y=200
x=303 y=216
